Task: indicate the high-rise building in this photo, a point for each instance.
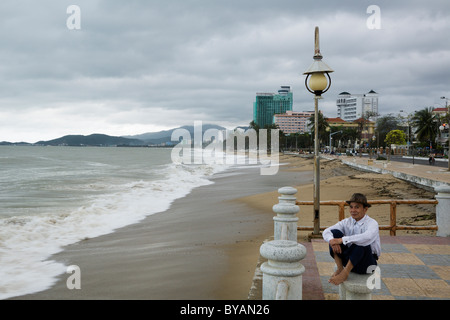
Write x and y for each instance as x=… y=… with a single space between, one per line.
x=293 y=121
x=269 y=104
x=370 y=102
x=354 y=106
x=346 y=106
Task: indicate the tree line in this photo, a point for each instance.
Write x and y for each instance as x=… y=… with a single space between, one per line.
x=420 y=129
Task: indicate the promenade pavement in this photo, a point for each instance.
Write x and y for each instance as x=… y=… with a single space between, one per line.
x=412 y=267
x=426 y=175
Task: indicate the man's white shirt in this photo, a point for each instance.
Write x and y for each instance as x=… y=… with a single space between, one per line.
x=362 y=233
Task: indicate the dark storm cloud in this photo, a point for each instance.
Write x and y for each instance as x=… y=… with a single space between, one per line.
x=138 y=66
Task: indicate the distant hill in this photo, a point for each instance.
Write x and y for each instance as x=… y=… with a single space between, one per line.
x=101 y=140
x=150 y=138
x=6 y=143
x=153 y=138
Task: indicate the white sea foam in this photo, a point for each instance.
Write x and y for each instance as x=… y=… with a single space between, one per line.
x=27 y=242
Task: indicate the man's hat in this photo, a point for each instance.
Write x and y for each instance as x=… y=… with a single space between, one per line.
x=359 y=198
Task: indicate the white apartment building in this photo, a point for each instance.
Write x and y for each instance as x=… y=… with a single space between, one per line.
x=351 y=107
x=293 y=121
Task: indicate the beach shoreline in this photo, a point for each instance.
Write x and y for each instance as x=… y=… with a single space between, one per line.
x=206 y=246
x=182 y=253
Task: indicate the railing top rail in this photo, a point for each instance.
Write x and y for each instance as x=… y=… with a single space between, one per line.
x=393 y=227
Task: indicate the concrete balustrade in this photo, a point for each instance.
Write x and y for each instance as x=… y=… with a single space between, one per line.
x=282 y=273
x=285 y=222
x=443 y=210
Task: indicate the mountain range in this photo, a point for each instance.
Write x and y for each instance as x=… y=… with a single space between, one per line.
x=146 y=139
x=156 y=138
x=96 y=139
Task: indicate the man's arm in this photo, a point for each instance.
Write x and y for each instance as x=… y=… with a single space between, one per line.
x=335 y=243
x=328 y=235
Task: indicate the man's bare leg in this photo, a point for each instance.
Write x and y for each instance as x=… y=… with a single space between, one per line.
x=339 y=266
x=341 y=276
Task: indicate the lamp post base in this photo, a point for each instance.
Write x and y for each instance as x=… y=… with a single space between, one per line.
x=314 y=236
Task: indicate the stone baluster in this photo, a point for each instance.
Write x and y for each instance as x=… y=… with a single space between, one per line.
x=443 y=210
x=283 y=270
x=282 y=273
x=285 y=222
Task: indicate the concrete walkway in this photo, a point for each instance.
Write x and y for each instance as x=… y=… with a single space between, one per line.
x=425 y=175
x=412 y=267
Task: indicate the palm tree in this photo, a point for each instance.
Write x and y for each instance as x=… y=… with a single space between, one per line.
x=268 y=127
x=254 y=126
x=427 y=127
x=346 y=135
x=323 y=125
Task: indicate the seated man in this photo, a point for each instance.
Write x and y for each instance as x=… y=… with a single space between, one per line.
x=354 y=241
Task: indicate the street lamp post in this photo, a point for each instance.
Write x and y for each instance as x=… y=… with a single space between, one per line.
x=331 y=134
x=447 y=106
x=317 y=75
x=443 y=127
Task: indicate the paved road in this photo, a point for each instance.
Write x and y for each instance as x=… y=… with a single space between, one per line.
x=437 y=163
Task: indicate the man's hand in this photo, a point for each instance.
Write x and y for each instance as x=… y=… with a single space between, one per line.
x=336 y=245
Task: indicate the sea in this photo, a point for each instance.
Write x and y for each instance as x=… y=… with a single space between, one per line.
x=51 y=197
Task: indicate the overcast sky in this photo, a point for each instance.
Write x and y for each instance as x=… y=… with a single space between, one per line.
x=139 y=66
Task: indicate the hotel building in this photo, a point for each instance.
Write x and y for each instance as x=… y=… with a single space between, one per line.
x=354 y=106
x=269 y=104
x=293 y=121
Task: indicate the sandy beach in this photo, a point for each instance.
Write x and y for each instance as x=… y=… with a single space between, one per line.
x=206 y=246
